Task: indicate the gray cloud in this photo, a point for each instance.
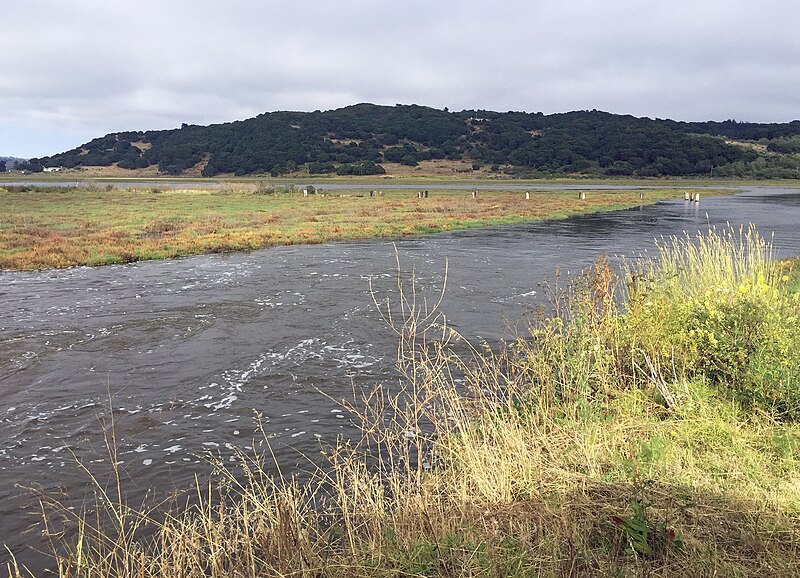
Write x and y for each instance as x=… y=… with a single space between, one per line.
x=82 y=68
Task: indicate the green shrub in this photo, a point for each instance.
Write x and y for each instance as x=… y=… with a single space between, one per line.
x=718 y=307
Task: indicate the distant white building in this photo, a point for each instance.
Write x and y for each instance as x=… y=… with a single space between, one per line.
x=53 y=169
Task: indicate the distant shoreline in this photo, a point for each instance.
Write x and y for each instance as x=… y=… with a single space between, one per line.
x=378 y=181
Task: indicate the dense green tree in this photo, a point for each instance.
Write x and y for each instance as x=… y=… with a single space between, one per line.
x=363 y=168
x=32 y=166
x=358 y=138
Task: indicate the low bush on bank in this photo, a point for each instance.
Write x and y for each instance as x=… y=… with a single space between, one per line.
x=721 y=310
x=646 y=426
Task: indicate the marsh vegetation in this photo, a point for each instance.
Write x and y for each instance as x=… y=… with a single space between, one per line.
x=54 y=227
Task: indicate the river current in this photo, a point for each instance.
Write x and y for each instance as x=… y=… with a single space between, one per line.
x=187 y=351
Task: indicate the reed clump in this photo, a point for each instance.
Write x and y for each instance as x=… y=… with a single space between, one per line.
x=614 y=439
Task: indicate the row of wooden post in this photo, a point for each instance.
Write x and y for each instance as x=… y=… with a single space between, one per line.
x=581 y=195
x=687 y=196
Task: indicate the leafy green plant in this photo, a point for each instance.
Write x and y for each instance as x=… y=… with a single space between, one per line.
x=644 y=535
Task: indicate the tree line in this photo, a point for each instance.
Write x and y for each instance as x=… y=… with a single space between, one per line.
x=359 y=139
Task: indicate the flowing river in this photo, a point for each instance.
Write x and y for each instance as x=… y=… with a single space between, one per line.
x=187 y=351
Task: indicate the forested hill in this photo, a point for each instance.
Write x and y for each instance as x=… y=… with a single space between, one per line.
x=361 y=139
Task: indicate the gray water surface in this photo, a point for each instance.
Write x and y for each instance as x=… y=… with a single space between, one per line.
x=186 y=351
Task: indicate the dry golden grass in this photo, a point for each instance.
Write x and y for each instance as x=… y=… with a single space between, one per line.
x=109 y=172
x=436 y=168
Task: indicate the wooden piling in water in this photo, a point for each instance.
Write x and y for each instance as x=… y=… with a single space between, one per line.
x=641 y=195
x=686 y=196
x=697 y=197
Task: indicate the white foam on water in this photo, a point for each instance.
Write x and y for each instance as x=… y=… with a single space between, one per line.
x=375 y=276
x=514 y=298
x=234 y=380
x=353 y=357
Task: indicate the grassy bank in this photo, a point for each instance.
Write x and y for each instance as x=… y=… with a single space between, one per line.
x=647 y=427
x=52 y=227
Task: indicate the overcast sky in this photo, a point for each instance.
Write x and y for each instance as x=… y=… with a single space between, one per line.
x=72 y=70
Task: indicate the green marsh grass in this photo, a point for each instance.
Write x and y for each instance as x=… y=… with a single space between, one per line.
x=606 y=441
x=51 y=227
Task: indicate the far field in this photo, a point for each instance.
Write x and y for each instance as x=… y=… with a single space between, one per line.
x=51 y=227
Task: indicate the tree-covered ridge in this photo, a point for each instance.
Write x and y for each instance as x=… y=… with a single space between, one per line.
x=357 y=139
